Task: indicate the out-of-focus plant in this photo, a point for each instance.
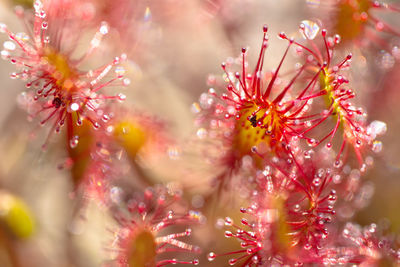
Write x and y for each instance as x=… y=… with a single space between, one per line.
x=289 y=144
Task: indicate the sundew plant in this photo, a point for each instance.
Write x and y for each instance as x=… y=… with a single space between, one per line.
x=149 y=133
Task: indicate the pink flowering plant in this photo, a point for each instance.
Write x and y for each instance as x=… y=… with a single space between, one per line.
x=275 y=165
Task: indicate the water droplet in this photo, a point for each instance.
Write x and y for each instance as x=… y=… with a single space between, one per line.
x=377 y=146
x=296 y=208
x=147 y=14
x=22 y=36
x=170 y=215
x=309 y=29
x=105 y=117
x=211 y=256
x=3 y=27
x=37 y=5
x=358 y=143
x=385 y=60
x=228 y=234
x=206 y=100
x=338 y=163
x=228 y=221
x=115 y=194
x=316 y=181
x=232 y=261
x=188 y=232
x=307 y=246
x=311 y=141
x=201 y=133
x=337 y=39
x=173 y=153
x=332 y=197
x=379 y=26
x=5 y=54
x=126 y=82
x=9 y=45
x=13 y=75
x=195 y=108
x=74 y=141
x=119 y=71
x=313 y=3
x=329 y=145
x=376 y=128
x=372 y=228
x=42 y=14
x=103 y=28
x=396 y=52
x=121 y=97
x=73 y=107
x=282 y=35
x=196 y=215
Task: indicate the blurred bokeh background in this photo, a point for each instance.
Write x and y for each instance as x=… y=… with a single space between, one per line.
x=172 y=46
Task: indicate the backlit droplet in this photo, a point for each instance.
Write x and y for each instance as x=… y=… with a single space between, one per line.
x=5 y=54
x=329 y=145
x=311 y=141
x=126 y=82
x=385 y=60
x=232 y=261
x=105 y=117
x=9 y=45
x=3 y=28
x=201 y=133
x=228 y=234
x=396 y=52
x=173 y=153
x=296 y=208
x=74 y=106
x=37 y=5
x=115 y=194
x=104 y=28
x=377 y=146
x=22 y=36
x=376 y=128
x=119 y=71
x=74 y=141
x=195 y=108
x=309 y=29
x=338 y=164
x=211 y=256
x=228 y=221
x=147 y=14
x=313 y=3
x=121 y=97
